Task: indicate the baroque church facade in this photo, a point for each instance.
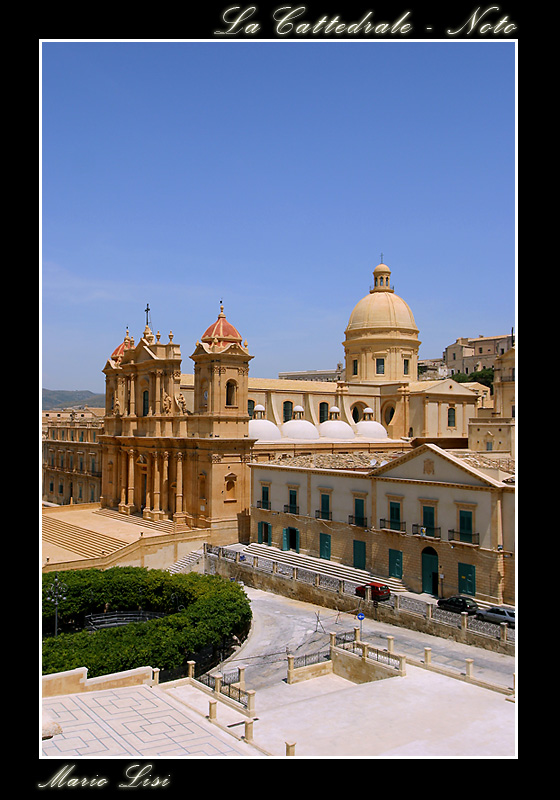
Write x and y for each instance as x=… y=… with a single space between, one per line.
x=178 y=445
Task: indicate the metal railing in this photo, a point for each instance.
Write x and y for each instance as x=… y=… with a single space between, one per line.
x=263 y=504
x=461 y=536
x=361 y=522
x=393 y=525
x=406 y=603
x=116 y=618
x=320 y=514
x=227 y=686
x=312 y=658
x=291 y=509
x=426 y=530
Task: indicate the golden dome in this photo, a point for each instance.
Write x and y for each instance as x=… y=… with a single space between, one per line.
x=381 y=308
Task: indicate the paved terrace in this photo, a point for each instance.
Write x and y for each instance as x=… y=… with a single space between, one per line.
x=423 y=714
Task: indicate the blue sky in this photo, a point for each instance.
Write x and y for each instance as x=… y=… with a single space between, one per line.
x=272 y=175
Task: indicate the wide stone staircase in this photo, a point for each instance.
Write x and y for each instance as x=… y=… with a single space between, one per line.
x=80 y=541
x=162 y=525
x=321 y=565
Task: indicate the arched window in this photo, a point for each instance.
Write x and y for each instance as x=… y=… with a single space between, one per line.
x=251 y=408
x=450 y=417
x=323 y=412
x=231 y=392
x=145 y=403
x=388 y=414
x=288 y=408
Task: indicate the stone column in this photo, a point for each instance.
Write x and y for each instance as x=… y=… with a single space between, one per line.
x=131 y=477
x=157 y=487
x=148 y=506
x=132 y=397
x=179 y=482
x=123 y=482
x=158 y=393
x=165 y=483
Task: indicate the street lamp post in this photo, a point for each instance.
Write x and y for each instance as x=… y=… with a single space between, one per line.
x=56 y=592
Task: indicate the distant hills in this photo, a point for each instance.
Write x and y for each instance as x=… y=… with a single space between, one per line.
x=59 y=398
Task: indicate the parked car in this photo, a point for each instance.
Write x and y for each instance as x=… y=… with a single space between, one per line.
x=458 y=603
x=497 y=614
x=379 y=591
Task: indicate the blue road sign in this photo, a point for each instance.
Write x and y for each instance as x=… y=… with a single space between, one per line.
x=361 y=615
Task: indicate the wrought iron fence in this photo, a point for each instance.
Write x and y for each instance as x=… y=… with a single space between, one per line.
x=348 y=587
x=112 y=619
x=312 y=658
x=227 y=687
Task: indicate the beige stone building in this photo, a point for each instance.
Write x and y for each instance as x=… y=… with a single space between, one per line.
x=178 y=445
x=71 y=455
x=493 y=429
x=429 y=520
x=472 y=355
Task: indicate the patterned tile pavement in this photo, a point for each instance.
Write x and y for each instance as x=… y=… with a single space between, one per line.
x=138 y=722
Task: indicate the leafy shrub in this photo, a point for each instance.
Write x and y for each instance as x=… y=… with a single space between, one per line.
x=202 y=610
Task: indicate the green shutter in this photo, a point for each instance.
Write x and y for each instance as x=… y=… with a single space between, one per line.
x=285 y=539
x=259 y=532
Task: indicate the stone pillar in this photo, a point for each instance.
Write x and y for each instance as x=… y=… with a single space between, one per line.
x=290 y=677
x=132 y=397
x=157 y=487
x=158 y=393
x=290 y=748
x=242 y=678
x=179 y=482
x=148 y=484
x=123 y=471
x=249 y=730
x=165 y=483
x=131 y=477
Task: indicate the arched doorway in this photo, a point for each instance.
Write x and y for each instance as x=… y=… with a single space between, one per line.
x=430 y=565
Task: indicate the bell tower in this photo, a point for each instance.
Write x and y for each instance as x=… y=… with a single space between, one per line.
x=221 y=380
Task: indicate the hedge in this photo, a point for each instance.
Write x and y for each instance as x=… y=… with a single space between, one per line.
x=202 y=610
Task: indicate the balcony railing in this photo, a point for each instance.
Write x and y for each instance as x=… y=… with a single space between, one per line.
x=426 y=530
x=321 y=514
x=291 y=509
x=461 y=536
x=361 y=522
x=393 y=525
x=263 y=504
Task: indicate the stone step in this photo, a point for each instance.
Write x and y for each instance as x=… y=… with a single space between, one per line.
x=81 y=541
x=164 y=525
x=185 y=563
x=331 y=568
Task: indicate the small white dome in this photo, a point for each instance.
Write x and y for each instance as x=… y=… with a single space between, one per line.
x=299 y=429
x=334 y=410
x=298 y=408
x=264 y=430
x=259 y=407
x=335 y=429
x=370 y=429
